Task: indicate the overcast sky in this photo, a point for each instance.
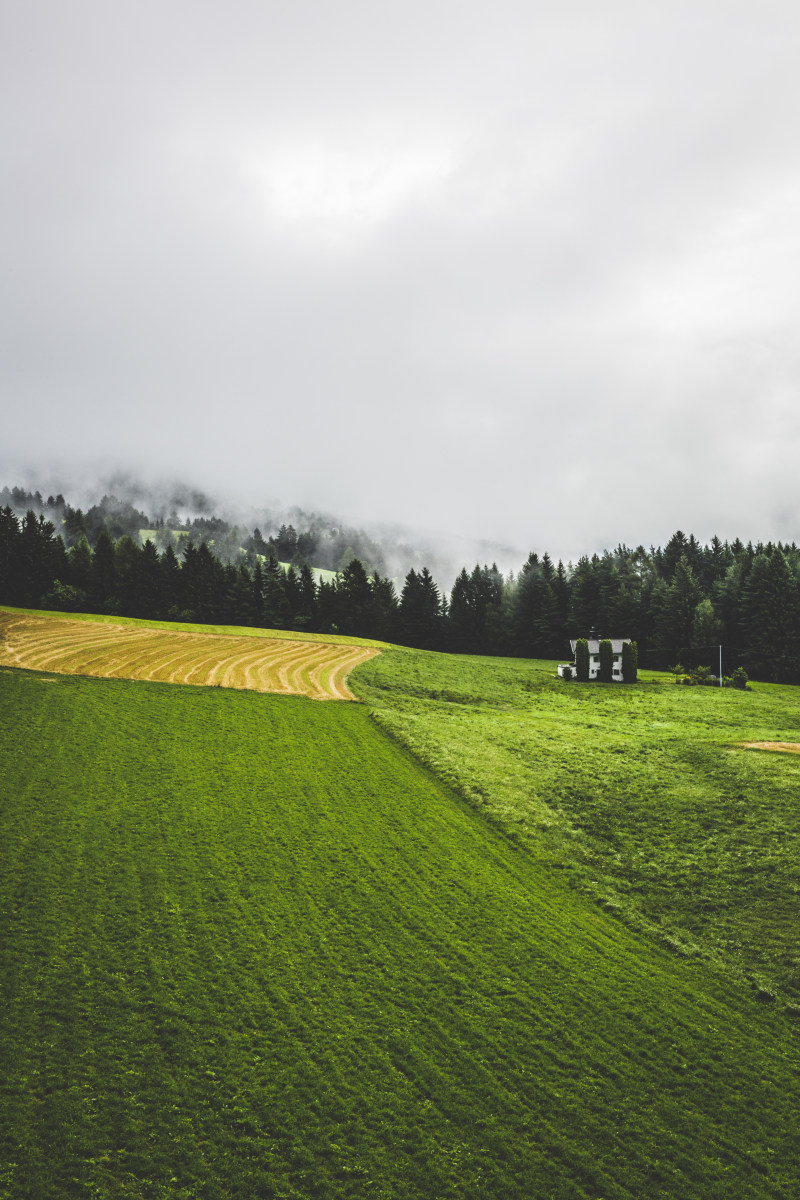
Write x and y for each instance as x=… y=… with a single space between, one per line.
x=524 y=270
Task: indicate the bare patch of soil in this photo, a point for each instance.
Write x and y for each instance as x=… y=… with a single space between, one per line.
x=784 y=747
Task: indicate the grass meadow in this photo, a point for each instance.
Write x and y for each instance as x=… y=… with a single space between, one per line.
x=642 y=797
x=252 y=946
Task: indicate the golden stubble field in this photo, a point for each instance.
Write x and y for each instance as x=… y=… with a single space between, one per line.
x=261 y=664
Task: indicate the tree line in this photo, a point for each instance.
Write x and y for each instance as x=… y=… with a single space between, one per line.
x=319 y=540
x=678 y=602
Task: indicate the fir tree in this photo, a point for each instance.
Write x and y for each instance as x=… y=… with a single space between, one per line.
x=770 y=618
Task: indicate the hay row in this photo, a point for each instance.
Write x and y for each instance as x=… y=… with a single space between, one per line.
x=314 y=669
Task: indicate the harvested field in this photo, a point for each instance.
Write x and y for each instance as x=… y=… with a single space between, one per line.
x=302 y=668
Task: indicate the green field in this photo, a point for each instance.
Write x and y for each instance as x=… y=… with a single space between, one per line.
x=640 y=796
x=250 y=946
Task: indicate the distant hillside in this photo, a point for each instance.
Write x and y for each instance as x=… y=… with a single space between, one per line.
x=122 y=507
x=687 y=604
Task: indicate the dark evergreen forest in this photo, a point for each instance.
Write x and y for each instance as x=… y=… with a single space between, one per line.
x=679 y=602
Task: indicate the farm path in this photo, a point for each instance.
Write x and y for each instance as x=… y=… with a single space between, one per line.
x=66 y=647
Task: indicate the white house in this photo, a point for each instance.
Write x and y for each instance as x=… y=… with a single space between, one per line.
x=594 y=658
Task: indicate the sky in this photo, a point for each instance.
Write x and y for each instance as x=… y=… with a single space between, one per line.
x=511 y=270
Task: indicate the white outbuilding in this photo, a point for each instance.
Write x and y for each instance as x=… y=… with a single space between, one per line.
x=594 y=658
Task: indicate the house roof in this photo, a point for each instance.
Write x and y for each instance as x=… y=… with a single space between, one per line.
x=594 y=645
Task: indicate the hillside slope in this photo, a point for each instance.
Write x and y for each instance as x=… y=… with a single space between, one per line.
x=250 y=947
x=641 y=797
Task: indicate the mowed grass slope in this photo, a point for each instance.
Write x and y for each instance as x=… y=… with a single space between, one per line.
x=180 y=654
x=641 y=796
x=251 y=948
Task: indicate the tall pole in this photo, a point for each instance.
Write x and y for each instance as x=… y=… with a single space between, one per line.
x=720 y=666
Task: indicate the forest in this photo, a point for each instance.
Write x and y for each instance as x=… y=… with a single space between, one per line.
x=680 y=602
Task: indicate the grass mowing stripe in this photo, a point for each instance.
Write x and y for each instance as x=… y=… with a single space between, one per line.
x=248 y=944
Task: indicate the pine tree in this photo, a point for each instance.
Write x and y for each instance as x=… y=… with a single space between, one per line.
x=103 y=595
x=385 y=608
x=293 y=595
x=677 y=610
x=674 y=551
x=240 y=608
x=41 y=558
x=307 y=613
x=170 y=583
x=276 y=608
x=770 y=618
x=129 y=578
x=421 y=611
x=10 y=559
x=151 y=583
x=461 y=619
x=79 y=574
x=356 y=600
x=585 y=596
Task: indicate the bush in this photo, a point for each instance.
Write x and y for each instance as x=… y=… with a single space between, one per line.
x=582 y=660
x=739 y=679
x=630 y=662
x=566 y=673
x=64 y=597
x=605 y=674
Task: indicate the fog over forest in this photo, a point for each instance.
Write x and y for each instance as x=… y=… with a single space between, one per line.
x=512 y=271
x=392 y=549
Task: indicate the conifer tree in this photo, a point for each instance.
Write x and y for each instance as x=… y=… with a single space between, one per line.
x=385 y=608
x=10 y=562
x=421 y=611
x=356 y=600
x=293 y=594
x=276 y=608
x=770 y=618
x=103 y=594
x=239 y=602
x=307 y=612
x=170 y=583
x=677 y=610
x=79 y=574
x=151 y=583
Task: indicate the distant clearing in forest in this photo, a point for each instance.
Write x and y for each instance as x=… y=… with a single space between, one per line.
x=139 y=651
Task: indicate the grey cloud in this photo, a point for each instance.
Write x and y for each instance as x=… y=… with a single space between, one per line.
x=487 y=269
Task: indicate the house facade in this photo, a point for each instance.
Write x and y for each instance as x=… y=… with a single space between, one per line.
x=594 y=658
